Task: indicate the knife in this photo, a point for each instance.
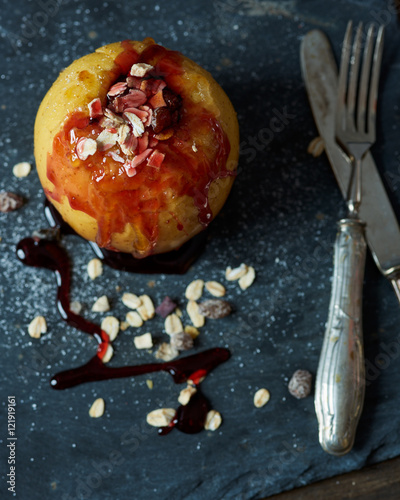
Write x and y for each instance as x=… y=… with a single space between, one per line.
x=320 y=76
x=340 y=382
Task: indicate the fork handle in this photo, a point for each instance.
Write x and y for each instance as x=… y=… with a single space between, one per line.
x=340 y=382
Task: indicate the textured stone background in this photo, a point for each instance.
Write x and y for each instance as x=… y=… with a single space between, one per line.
x=280 y=218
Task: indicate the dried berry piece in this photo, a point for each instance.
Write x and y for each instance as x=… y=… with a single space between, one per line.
x=166 y=307
x=172 y=100
x=10 y=201
x=300 y=384
x=215 y=308
x=181 y=341
x=163 y=118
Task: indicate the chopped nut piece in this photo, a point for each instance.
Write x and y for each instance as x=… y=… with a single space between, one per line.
x=22 y=169
x=161 y=417
x=97 y=408
x=146 y=310
x=75 y=307
x=194 y=290
x=133 y=318
x=196 y=318
x=101 y=304
x=215 y=308
x=149 y=383
x=166 y=352
x=110 y=325
x=173 y=324
x=236 y=273
x=186 y=394
x=166 y=307
x=192 y=331
x=144 y=341
x=213 y=420
x=131 y=300
x=248 y=279
x=300 y=384
x=181 y=341
x=95 y=268
x=37 y=326
x=10 y=201
x=215 y=288
x=316 y=147
x=140 y=69
x=108 y=354
x=261 y=397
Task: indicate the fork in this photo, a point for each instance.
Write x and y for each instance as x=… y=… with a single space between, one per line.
x=340 y=382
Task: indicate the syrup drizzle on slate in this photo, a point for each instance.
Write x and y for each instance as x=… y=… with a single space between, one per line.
x=48 y=254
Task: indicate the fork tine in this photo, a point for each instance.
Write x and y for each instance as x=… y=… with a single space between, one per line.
x=353 y=78
x=373 y=95
x=342 y=82
x=364 y=81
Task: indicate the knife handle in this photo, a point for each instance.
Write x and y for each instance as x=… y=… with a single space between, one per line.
x=340 y=382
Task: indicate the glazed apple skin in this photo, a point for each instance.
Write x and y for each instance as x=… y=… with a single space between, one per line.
x=177 y=218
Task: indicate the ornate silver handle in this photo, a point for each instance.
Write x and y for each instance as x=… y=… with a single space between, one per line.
x=340 y=383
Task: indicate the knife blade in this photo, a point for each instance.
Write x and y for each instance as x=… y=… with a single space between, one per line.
x=320 y=75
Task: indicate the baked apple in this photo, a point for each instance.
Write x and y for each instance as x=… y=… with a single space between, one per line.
x=136 y=146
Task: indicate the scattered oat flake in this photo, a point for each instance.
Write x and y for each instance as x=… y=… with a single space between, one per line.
x=248 y=279
x=144 y=341
x=149 y=383
x=95 y=268
x=75 y=307
x=97 y=408
x=173 y=324
x=22 y=169
x=316 y=147
x=196 y=318
x=106 y=139
x=166 y=352
x=134 y=319
x=124 y=325
x=108 y=354
x=131 y=300
x=37 y=326
x=101 y=304
x=261 y=398
x=186 y=394
x=236 y=273
x=215 y=288
x=178 y=312
x=213 y=420
x=146 y=310
x=161 y=417
x=10 y=201
x=110 y=325
x=192 y=331
x=194 y=290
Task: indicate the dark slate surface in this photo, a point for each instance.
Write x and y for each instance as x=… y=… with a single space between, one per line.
x=280 y=218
